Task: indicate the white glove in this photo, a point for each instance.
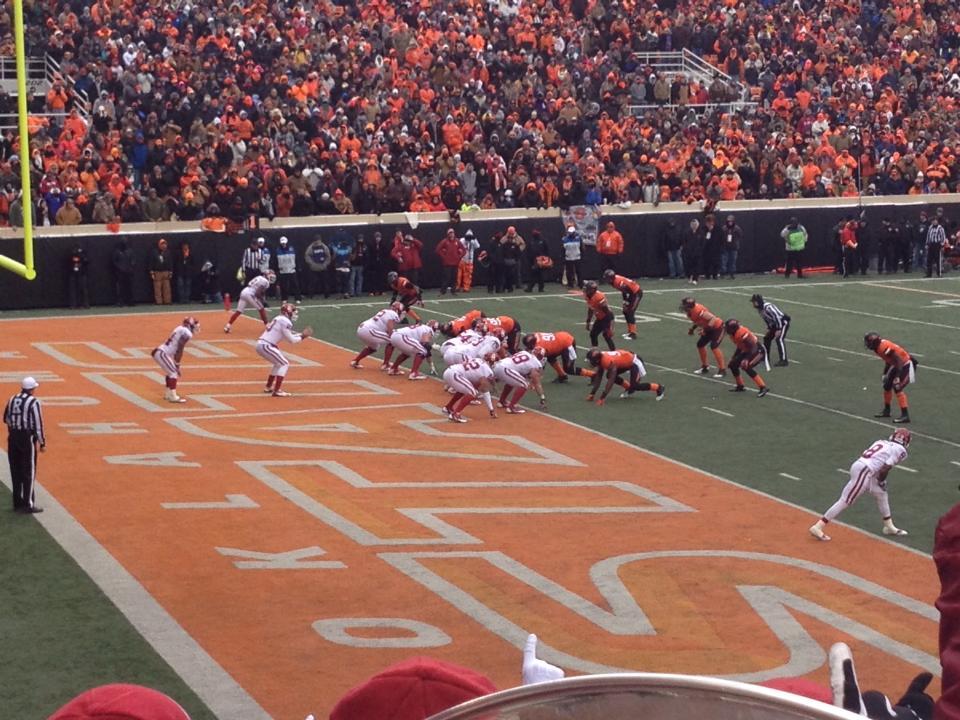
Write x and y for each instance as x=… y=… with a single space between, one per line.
x=536 y=670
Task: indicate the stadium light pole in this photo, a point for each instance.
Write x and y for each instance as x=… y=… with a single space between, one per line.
x=26 y=268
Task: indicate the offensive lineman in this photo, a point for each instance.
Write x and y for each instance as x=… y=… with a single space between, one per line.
x=169 y=354
x=518 y=372
x=469 y=380
x=869 y=474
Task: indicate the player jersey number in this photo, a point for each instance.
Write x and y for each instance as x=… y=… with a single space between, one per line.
x=520 y=358
x=472 y=365
x=271 y=324
x=548 y=337
x=872 y=450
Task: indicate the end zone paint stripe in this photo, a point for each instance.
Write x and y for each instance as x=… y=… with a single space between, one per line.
x=204 y=675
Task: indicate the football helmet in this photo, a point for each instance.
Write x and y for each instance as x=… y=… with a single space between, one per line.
x=539 y=353
x=731 y=326
x=192 y=324
x=529 y=341
x=901 y=436
x=687 y=303
x=491 y=358
x=432 y=324
x=590 y=288
x=496 y=331
x=271 y=276
x=608 y=275
x=397 y=307
x=290 y=310
x=757 y=300
x=871 y=341
x=593 y=356
x=392 y=278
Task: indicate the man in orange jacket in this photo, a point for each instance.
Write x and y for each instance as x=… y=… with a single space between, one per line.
x=609 y=246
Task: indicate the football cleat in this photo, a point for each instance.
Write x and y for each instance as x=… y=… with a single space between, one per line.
x=268 y=390
x=445 y=410
x=894 y=530
x=457 y=418
x=782 y=363
x=902 y=420
x=281 y=393
x=384 y=367
x=722 y=372
x=396 y=371
x=226 y=328
x=355 y=365
x=817 y=531
x=902 y=436
x=738 y=388
x=417 y=376
x=514 y=410
x=661 y=392
x=702 y=371
x=883 y=414
x=763 y=391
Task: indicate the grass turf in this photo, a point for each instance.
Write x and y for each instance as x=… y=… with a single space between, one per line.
x=62 y=635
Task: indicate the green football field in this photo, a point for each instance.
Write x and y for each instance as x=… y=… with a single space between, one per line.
x=61 y=635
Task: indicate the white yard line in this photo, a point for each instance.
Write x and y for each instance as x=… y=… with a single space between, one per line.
x=905 y=468
x=834 y=359
x=789 y=477
x=718 y=412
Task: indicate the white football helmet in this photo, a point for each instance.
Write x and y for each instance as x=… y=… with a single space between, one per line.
x=271 y=276
x=192 y=324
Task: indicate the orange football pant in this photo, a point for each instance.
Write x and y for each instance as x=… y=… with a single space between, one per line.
x=464 y=276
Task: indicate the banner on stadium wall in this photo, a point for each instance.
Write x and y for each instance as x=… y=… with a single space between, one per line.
x=586 y=218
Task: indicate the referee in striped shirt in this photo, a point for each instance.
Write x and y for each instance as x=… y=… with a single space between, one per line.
x=24 y=420
x=936 y=240
x=778 y=325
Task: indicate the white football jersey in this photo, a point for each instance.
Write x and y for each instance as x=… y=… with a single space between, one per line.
x=259 y=285
x=174 y=345
x=882 y=453
x=475 y=371
x=380 y=320
x=484 y=346
x=418 y=333
x=280 y=328
x=522 y=362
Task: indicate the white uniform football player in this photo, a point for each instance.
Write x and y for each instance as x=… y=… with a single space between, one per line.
x=415 y=340
x=518 y=372
x=869 y=474
x=375 y=332
x=252 y=297
x=461 y=348
x=169 y=354
x=278 y=330
x=469 y=380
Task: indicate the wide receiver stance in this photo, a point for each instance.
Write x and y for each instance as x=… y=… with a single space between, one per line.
x=899 y=371
x=599 y=315
x=711 y=333
x=252 y=297
x=611 y=365
x=469 y=380
x=518 y=372
x=869 y=474
x=168 y=356
x=279 y=329
x=375 y=332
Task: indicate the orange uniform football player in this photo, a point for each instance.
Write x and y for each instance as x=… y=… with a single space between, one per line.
x=406 y=292
x=711 y=333
x=632 y=294
x=611 y=365
x=749 y=353
x=898 y=372
x=560 y=351
x=599 y=315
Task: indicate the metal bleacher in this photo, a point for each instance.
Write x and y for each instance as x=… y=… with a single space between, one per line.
x=41 y=73
x=697 y=70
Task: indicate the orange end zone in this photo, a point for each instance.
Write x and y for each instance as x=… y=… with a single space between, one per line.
x=307 y=542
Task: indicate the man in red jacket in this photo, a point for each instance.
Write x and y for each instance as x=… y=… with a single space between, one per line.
x=406 y=251
x=450 y=252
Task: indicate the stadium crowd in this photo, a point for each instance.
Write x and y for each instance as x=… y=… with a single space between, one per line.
x=273 y=108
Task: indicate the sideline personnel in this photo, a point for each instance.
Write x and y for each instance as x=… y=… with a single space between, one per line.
x=24 y=420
